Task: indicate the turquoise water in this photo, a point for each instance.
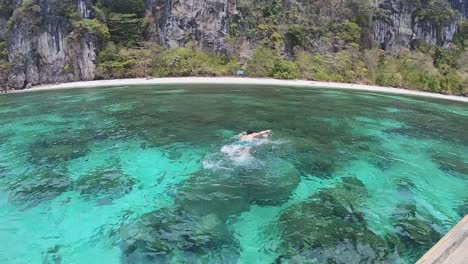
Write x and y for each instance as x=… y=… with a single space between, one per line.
x=152 y=175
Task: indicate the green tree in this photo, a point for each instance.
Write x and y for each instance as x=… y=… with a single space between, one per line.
x=283 y=69
x=136 y=7
x=438 y=12
x=295 y=35
x=445 y=58
x=92 y=26
x=262 y=62
x=461 y=36
x=350 y=32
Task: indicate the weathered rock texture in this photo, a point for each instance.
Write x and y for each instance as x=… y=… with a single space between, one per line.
x=42 y=47
x=461 y=6
x=398 y=26
x=178 y=22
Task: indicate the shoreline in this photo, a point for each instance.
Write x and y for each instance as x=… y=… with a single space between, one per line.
x=239 y=81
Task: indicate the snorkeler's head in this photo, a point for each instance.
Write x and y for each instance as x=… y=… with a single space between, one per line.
x=250 y=132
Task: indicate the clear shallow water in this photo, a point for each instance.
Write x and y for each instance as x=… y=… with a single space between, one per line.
x=149 y=175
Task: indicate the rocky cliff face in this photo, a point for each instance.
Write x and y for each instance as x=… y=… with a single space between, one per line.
x=397 y=25
x=42 y=47
x=207 y=22
x=461 y=6
x=177 y=22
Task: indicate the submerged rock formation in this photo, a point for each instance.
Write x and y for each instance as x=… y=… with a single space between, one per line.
x=331 y=221
x=105 y=185
x=196 y=226
x=42 y=186
x=415 y=230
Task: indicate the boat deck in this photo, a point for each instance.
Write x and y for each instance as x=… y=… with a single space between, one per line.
x=452 y=248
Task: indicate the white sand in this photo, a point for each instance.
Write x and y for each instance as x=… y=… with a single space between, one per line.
x=233 y=80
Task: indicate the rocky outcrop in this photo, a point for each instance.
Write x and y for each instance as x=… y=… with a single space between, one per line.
x=397 y=25
x=461 y=6
x=85 y=7
x=3 y=23
x=178 y=22
x=42 y=47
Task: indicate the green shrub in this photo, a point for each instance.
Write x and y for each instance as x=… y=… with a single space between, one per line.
x=283 y=69
x=4 y=65
x=371 y=61
x=349 y=66
x=126 y=29
x=272 y=10
x=68 y=68
x=28 y=13
x=453 y=83
x=437 y=11
x=125 y=20
x=6 y=8
x=389 y=73
x=415 y=70
x=136 y=7
x=109 y=53
x=344 y=66
x=461 y=36
x=269 y=35
x=262 y=62
x=92 y=26
x=233 y=30
x=418 y=71
x=309 y=67
x=3 y=51
x=114 y=62
x=151 y=60
x=295 y=35
x=192 y=61
x=348 y=31
x=445 y=58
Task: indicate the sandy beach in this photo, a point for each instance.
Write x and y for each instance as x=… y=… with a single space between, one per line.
x=239 y=81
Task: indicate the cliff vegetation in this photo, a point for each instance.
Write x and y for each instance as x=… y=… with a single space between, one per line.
x=402 y=43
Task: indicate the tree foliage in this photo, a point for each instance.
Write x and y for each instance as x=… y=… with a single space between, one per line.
x=295 y=35
x=136 y=7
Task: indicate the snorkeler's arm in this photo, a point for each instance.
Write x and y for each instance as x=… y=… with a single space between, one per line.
x=262 y=133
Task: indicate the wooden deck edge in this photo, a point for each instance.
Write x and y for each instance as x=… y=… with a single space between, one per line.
x=448 y=245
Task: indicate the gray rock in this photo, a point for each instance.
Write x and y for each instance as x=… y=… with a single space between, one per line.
x=178 y=22
x=461 y=6
x=42 y=48
x=397 y=26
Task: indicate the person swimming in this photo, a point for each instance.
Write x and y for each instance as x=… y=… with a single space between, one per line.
x=240 y=150
x=247 y=139
x=251 y=135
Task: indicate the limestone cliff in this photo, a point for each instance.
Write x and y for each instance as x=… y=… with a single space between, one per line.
x=177 y=22
x=42 y=48
x=399 y=23
x=461 y=6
